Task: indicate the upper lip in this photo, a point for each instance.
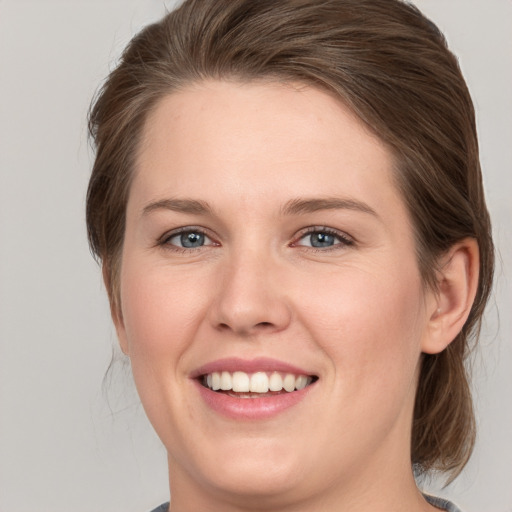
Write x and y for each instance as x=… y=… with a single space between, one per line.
x=260 y=364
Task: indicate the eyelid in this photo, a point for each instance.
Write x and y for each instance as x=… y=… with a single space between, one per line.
x=345 y=239
x=163 y=241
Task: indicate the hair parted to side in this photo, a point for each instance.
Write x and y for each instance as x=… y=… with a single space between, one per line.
x=391 y=66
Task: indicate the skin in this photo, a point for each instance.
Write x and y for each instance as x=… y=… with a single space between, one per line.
x=355 y=314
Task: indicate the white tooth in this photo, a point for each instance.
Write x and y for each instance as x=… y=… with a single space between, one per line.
x=225 y=381
x=240 y=382
x=209 y=380
x=275 y=382
x=301 y=381
x=215 y=381
x=259 y=382
x=289 y=382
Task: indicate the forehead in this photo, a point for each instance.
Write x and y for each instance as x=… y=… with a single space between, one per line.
x=261 y=141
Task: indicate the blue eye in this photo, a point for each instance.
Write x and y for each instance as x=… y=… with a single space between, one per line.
x=188 y=239
x=323 y=239
x=191 y=240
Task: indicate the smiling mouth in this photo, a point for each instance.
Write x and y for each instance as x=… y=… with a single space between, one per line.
x=255 y=385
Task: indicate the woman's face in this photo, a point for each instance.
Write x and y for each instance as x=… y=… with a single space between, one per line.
x=267 y=245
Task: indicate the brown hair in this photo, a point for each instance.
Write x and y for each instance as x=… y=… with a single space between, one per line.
x=391 y=66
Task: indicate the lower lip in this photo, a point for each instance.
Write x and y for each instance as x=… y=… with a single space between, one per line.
x=251 y=408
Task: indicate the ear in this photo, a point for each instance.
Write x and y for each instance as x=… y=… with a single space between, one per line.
x=450 y=305
x=115 y=310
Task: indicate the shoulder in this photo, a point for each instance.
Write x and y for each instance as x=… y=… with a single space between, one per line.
x=162 y=508
x=441 y=503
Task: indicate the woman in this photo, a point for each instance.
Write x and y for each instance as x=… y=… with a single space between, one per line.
x=288 y=208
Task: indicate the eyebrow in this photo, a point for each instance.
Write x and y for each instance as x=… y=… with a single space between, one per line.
x=303 y=206
x=178 y=205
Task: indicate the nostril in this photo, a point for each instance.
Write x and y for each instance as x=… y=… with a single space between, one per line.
x=264 y=324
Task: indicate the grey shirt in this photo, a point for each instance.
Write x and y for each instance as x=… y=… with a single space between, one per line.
x=442 y=503
x=162 y=508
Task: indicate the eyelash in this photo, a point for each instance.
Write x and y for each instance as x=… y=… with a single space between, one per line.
x=343 y=239
x=164 y=240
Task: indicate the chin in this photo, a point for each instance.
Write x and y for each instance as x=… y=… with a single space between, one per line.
x=264 y=472
x=268 y=486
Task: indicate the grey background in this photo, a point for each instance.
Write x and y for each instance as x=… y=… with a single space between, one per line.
x=63 y=446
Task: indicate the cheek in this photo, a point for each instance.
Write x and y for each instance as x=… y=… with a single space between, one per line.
x=160 y=309
x=369 y=326
x=161 y=312
x=369 y=323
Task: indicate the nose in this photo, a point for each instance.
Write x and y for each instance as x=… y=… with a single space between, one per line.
x=251 y=298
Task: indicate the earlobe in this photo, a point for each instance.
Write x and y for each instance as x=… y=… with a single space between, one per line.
x=115 y=311
x=456 y=290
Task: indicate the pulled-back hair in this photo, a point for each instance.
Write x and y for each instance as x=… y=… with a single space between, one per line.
x=390 y=65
